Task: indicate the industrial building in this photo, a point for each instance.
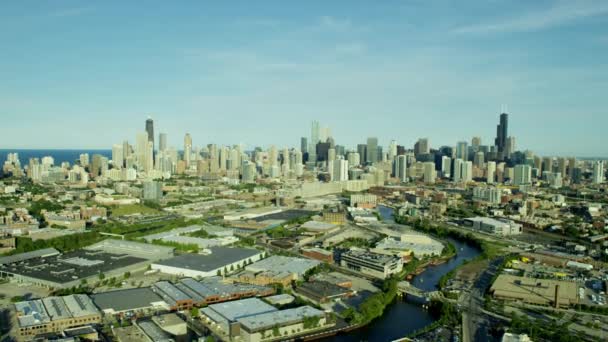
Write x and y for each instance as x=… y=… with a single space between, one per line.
x=226 y=314
x=319 y=254
x=412 y=242
x=252 y=320
x=535 y=291
x=218 y=260
x=183 y=295
x=48 y=268
x=215 y=290
x=55 y=314
x=322 y=292
x=493 y=226
x=129 y=302
x=372 y=264
x=283 y=264
x=172 y=295
x=136 y=249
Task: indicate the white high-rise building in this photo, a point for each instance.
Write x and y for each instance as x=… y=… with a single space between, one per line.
x=463 y=171
x=84 y=159
x=47 y=162
x=522 y=175
x=162 y=142
x=491 y=172
x=149 y=157
x=339 y=170
x=446 y=166
x=457 y=171
x=331 y=155
x=187 y=148
x=141 y=149
x=354 y=159
x=315 y=132
x=392 y=150
x=467 y=171
x=118 y=156
x=598 y=172
x=401 y=168
x=430 y=174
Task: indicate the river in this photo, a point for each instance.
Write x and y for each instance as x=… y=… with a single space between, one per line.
x=402 y=317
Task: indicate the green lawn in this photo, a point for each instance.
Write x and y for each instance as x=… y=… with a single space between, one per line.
x=132 y=209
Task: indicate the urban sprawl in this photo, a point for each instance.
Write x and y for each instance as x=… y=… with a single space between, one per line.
x=219 y=243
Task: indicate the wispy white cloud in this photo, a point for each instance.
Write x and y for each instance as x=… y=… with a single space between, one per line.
x=561 y=13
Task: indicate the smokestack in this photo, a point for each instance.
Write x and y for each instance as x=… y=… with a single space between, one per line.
x=556 y=300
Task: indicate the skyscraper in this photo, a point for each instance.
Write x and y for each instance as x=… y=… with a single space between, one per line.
x=430 y=174
x=187 y=148
x=401 y=168
x=462 y=150
x=522 y=175
x=598 y=172
x=117 y=156
x=491 y=172
x=422 y=147
x=475 y=143
x=141 y=149
x=162 y=142
x=372 y=150
x=150 y=130
x=304 y=145
x=502 y=131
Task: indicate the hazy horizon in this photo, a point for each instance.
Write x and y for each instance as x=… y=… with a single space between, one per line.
x=86 y=75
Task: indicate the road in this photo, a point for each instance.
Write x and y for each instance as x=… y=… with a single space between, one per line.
x=475 y=321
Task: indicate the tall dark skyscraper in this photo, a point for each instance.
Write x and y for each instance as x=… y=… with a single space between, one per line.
x=502 y=132
x=150 y=130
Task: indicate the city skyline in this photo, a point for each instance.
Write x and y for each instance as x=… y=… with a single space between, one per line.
x=230 y=75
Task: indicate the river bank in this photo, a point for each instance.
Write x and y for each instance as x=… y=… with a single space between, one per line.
x=403 y=317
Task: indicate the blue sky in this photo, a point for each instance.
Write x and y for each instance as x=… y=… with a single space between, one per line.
x=84 y=74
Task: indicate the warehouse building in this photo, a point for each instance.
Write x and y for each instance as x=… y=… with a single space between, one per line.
x=252 y=320
x=372 y=264
x=129 y=302
x=322 y=292
x=55 y=314
x=219 y=260
x=319 y=254
x=50 y=269
x=136 y=249
x=226 y=314
x=172 y=295
x=282 y=325
x=297 y=267
x=213 y=290
x=535 y=291
x=493 y=226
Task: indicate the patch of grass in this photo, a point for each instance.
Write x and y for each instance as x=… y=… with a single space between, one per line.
x=131 y=209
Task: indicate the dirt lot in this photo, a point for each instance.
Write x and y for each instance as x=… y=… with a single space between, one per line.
x=470 y=271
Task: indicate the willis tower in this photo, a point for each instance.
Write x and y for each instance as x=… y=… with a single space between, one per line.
x=502 y=134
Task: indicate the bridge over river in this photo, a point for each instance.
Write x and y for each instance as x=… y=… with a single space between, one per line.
x=405 y=288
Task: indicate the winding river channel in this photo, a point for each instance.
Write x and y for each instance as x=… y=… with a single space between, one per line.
x=402 y=317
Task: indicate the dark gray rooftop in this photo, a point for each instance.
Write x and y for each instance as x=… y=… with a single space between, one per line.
x=219 y=257
x=125 y=300
x=28 y=255
x=68 y=267
x=71 y=266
